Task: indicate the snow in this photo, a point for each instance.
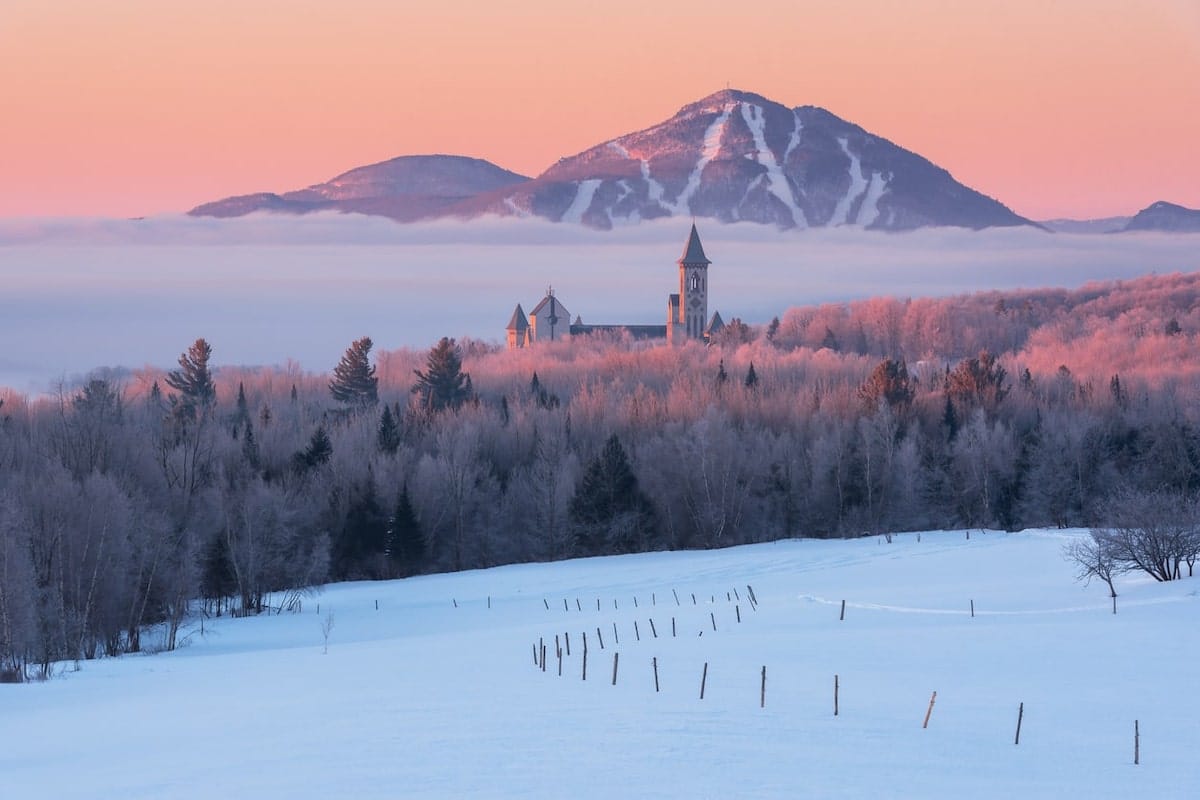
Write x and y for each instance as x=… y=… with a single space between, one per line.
x=712 y=146
x=435 y=694
x=794 y=142
x=868 y=213
x=584 y=193
x=620 y=150
x=858 y=185
x=777 y=182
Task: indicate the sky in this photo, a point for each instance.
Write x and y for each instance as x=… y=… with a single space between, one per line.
x=1075 y=108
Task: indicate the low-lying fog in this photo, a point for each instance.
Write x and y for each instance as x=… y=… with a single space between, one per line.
x=82 y=294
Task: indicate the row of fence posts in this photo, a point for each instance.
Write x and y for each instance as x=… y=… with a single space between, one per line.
x=730 y=596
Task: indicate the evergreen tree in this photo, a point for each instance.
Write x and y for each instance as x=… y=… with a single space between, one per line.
x=389 y=431
x=218 y=579
x=250 y=446
x=722 y=375
x=243 y=408
x=318 y=452
x=772 y=329
x=363 y=538
x=193 y=381
x=443 y=384
x=751 y=377
x=610 y=512
x=406 y=543
x=354 y=382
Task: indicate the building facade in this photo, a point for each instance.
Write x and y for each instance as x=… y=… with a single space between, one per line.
x=687 y=311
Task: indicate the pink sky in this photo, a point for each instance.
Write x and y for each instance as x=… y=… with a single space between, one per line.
x=1077 y=108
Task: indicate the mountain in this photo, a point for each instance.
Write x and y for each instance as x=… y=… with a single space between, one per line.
x=1164 y=216
x=732 y=156
x=738 y=156
x=1099 y=225
x=404 y=188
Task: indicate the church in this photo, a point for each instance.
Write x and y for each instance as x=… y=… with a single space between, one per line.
x=687 y=311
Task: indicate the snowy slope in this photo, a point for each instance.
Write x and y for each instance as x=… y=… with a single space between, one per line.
x=436 y=694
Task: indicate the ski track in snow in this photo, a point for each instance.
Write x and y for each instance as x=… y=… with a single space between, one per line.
x=712 y=146
x=520 y=212
x=777 y=183
x=869 y=211
x=858 y=185
x=794 y=142
x=583 y=200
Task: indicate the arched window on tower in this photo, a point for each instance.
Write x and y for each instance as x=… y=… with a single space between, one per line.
x=695 y=281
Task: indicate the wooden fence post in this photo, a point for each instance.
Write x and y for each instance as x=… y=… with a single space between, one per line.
x=535 y=655
x=1137 y=744
x=750 y=589
x=762 y=692
x=714 y=620
x=654 y=663
x=738 y=610
x=929 y=710
x=653 y=629
x=547 y=603
x=637 y=634
x=672 y=627
x=1020 y=715
x=578 y=605
x=972 y=609
x=601 y=638
x=703 y=680
x=615 y=657
x=616 y=637
x=835 y=695
x=585 y=663
x=567 y=639
x=843 y=615
x=676 y=596
x=693 y=598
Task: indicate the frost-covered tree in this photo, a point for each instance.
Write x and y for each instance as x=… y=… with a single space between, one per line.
x=354 y=382
x=443 y=384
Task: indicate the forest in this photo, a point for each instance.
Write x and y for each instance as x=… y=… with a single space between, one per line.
x=136 y=501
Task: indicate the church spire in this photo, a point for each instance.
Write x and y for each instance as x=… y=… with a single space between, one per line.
x=693 y=251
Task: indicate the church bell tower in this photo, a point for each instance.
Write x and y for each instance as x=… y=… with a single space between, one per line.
x=693 y=288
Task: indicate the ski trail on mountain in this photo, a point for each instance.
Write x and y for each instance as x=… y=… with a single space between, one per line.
x=712 y=145
x=583 y=200
x=777 y=183
x=858 y=185
x=869 y=211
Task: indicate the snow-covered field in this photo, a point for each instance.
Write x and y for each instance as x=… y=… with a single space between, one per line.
x=435 y=694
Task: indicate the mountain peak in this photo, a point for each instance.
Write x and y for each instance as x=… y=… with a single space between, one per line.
x=733 y=156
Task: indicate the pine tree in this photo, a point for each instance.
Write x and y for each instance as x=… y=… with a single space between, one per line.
x=406 y=543
x=722 y=375
x=250 y=446
x=751 y=377
x=389 y=431
x=609 y=511
x=318 y=452
x=772 y=329
x=442 y=385
x=363 y=537
x=193 y=381
x=354 y=382
x=243 y=408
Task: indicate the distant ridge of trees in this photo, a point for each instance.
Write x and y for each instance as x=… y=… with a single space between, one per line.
x=124 y=504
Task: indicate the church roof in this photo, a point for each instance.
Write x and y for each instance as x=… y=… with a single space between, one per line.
x=556 y=307
x=518 y=321
x=693 y=252
x=715 y=324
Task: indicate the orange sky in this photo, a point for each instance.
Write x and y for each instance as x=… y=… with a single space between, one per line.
x=1075 y=108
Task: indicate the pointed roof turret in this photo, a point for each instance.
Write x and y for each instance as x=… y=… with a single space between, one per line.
x=693 y=252
x=715 y=324
x=518 y=321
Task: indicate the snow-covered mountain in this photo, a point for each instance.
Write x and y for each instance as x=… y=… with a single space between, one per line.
x=1099 y=225
x=738 y=156
x=404 y=188
x=1164 y=216
x=732 y=156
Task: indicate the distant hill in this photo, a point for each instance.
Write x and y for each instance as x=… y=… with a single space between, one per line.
x=1101 y=225
x=405 y=189
x=732 y=156
x=1164 y=216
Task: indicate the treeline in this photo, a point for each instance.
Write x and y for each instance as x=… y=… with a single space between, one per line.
x=136 y=500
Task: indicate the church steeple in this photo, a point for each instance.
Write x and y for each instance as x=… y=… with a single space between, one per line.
x=693 y=290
